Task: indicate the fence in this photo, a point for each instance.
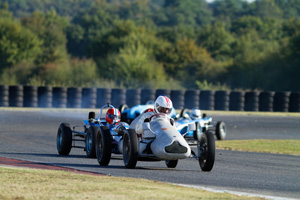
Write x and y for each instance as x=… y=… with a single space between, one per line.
x=63 y=97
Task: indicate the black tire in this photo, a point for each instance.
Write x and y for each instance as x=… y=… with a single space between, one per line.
x=90 y=141
x=103 y=146
x=197 y=133
x=221 y=130
x=64 y=139
x=183 y=112
x=123 y=107
x=130 y=149
x=171 y=163
x=92 y=115
x=207 y=156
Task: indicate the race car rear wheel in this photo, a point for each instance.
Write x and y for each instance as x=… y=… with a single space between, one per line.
x=207 y=154
x=90 y=141
x=64 y=139
x=221 y=130
x=103 y=145
x=130 y=149
x=171 y=163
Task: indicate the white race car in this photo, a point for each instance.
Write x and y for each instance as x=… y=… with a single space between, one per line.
x=154 y=137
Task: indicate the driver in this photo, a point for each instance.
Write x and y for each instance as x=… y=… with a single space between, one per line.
x=195 y=114
x=162 y=105
x=113 y=116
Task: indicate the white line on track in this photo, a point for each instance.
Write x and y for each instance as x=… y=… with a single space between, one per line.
x=235 y=192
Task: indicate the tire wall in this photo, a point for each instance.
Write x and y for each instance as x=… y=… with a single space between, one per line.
x=4 y=95
x=103 y=97
x=207 y=100
x=16 y=96
x=177 y=97
x=147 y=95
x=45 y=96
x=60 y=97
x=118 y=97
x=281 y=101
x=237 y=100
x=294 y=104
x=266 y=101
x=89 y=98
x=76 y=97
x=133 y=97
x=191 y=99
x=251 y=101
x=30 y=96
x=222 y=100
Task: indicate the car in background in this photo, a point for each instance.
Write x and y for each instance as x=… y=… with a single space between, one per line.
x=203 y=124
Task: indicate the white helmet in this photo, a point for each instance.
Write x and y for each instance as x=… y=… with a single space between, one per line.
x=163 y=105
x=195 y=113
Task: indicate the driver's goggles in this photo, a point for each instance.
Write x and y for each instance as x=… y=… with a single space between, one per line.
x=111 y=116
x=164 y=110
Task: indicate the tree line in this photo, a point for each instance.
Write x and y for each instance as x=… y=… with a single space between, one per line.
x=173 y=44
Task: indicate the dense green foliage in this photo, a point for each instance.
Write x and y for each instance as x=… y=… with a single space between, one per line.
x=175 y=44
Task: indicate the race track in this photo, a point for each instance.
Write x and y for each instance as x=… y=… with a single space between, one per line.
x=31 y=135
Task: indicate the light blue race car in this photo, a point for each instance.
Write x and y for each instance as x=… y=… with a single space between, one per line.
x=129 y=114
x=202 y=123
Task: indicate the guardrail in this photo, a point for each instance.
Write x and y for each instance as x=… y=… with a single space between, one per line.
x=77 y=97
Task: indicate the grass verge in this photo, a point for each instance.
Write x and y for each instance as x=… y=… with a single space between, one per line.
x=290 y=147
x=23 y=183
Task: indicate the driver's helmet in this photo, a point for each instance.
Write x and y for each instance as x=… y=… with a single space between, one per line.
x=163 y=105
x=195 y=113
x=113 y=115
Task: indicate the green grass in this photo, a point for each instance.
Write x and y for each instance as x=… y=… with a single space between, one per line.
x=23 y=183
x=290 y=147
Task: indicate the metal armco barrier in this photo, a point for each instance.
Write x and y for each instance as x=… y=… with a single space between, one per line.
x=4 y=96
x=237 y=100
x=191 y=99
x=222 y=100
x=77 y=97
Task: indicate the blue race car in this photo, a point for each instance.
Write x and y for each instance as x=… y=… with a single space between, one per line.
x=203 y=123
x=129 y=114
x=100 y=138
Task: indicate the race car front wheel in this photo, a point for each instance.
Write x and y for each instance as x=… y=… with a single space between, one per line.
x=221 y=130
x=130 y=149
x=171 y=163
x=90 y=141
x=207 y=151
x=103 y=146
x=64 y=139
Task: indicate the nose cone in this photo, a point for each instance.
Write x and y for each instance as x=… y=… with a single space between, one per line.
x=176 y=147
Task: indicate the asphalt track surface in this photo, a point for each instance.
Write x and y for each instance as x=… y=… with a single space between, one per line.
x=31 y=135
